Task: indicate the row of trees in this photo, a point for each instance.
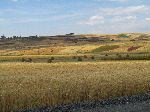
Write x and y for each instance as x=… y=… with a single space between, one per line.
x=3 y=37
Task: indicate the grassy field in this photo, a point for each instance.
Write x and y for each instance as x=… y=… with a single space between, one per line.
x=87 y=57
x=29 y=85
x=104 y=51
x=113 y=47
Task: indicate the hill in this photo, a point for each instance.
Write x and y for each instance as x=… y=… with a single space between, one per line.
x=100 y=46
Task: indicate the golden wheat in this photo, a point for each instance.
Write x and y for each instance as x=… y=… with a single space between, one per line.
x=29 y=85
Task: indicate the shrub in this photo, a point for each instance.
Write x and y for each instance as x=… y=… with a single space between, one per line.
x=92 y=57
x=50 y=61
x=74 y=57
x=52 y=58
x=127 y=55
x=106 y=54
x=22 y=60
x=30 y=60
x=79 y=59
x=119 y=56
x=85 y=56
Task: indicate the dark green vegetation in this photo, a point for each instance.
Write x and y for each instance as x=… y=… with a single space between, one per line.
x=81 y=58
x=123 y=36
x=105 y=48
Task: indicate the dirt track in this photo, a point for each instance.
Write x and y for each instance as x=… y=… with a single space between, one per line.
x=137 y=103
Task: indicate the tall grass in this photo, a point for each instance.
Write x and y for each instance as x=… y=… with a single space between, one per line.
x=30 y=85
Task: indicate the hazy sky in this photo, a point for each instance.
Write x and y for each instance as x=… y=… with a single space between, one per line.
x=50 y=17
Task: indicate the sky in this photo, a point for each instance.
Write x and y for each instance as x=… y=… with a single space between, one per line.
x=52 y=17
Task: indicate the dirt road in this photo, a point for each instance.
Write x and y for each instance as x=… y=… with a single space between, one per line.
x=137 y=103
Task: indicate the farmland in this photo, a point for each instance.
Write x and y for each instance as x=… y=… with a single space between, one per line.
x=29 y=85
x=48 y=71
x=102 y=51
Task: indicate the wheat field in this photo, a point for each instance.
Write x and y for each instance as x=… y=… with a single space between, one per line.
x=30 y=85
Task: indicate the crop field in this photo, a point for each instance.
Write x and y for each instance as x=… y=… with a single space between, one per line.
x=30 y=85
x=71 y=53
x=44 y=72
x=121 y=47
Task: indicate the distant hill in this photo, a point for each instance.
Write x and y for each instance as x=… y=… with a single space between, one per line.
x=65 y=40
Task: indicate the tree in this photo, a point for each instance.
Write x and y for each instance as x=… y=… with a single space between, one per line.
x=3 y=37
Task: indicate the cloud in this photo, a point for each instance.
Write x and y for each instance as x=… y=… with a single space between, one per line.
x=147 y=19
x=124 y=19
x=120 y=26
x=124 y=10
x=93 y=20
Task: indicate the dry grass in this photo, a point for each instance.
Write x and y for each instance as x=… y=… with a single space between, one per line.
x=144 y=47
x=77 y=49
x=24 y=85
x=52 y=50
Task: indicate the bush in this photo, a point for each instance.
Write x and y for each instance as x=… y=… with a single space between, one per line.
x=106 y=54
x=22 y=60
x=30 y=60
x=119 y=56
x=85 y=56
x=92 y=57
x=127 y=56
x=50 y=61
x=79 y=59
x=52 y=58
x=74 y=57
